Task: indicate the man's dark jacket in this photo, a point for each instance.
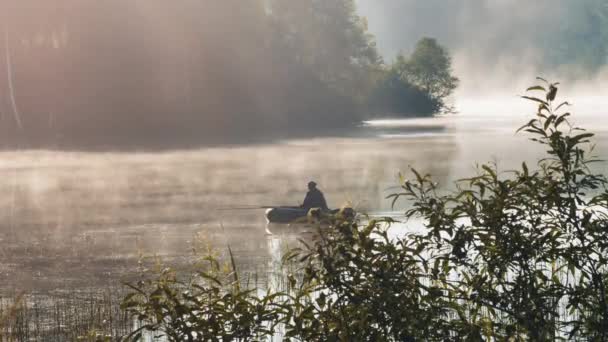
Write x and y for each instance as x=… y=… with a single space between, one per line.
x=315 y=199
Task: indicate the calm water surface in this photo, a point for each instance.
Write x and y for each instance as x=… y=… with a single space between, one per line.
x=75 y=221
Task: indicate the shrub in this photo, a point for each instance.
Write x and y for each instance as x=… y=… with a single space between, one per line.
x=514 y=255
x=210 y=305
x=523 y=252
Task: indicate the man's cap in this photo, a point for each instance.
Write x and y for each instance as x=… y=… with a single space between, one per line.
x=312 y=184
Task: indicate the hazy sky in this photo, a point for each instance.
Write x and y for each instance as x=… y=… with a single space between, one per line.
x=492 y=41
x=488 y=27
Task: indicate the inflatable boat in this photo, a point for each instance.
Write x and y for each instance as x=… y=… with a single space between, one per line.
x=287 y=215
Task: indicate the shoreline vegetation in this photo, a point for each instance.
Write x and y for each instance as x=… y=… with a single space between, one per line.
x=123 y=74
x=504 y=255
x=138 y=79
x=82 y=316
x=507 y=254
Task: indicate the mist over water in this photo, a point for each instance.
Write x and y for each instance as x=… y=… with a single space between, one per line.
x=75 y=220
x=498 y=47
x=75 y=211
x=92 y=215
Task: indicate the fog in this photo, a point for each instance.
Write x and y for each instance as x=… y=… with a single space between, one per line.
x=153 y=74
x=75 y=219
x=77 y=74
x=158 y=75
x=498 y=29
x=131 y=130
x=499 y=46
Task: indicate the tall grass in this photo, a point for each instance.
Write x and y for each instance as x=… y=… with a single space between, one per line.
x=86 y=316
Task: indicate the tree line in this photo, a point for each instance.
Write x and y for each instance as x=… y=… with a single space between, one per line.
x=119 y=73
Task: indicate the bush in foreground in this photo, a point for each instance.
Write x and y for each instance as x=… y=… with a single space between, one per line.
x=517 y=255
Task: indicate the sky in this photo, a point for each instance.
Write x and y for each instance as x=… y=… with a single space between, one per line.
x=492 y=41
x=489 y=27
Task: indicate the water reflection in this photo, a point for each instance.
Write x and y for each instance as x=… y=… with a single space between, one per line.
x=81 y=220
x=84 y=220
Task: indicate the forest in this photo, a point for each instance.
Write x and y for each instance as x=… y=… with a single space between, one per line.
x=153 y=74
x=92 y=74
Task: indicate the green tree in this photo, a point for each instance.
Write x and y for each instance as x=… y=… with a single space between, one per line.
x=430 y=69
x=393 y=95
x=329 y=38
x=82 y=69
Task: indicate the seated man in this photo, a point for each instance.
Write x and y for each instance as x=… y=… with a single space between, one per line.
x=314 y=198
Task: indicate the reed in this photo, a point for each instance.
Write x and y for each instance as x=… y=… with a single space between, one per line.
x=75 y=316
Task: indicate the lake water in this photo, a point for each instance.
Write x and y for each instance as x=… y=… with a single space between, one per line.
x=76 y=221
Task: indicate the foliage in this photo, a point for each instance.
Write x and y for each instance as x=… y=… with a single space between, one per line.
x=209 y=306
x=393 y=94
x=525 y=253
x=507 y=256
x=327 y=36
x=80 y=316
x=274 y=66
x=417 y=85
x=430 y=69
x=9 y=314
x=367 y=288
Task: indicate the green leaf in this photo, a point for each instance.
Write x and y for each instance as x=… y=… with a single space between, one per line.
x=561 y=119
x=548 y=122
x=542 y=79
x=489 y=170
x=418 y=176
x=576 y=139
x=234 y=270
x=536 y=88
x=529 y=124
x=565 y=103
x=536 y=99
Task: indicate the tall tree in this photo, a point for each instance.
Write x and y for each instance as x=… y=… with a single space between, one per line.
x=394 y=95
x=430 y=69
x=329 y=37
x=122 y=72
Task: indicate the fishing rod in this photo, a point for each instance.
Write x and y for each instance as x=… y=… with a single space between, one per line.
x=253 y=207
x=244 y=208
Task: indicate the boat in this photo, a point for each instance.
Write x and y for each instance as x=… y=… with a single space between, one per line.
x=286 y=214
x=289 y=215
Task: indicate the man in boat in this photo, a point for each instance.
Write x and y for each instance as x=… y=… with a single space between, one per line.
x=314 y=198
